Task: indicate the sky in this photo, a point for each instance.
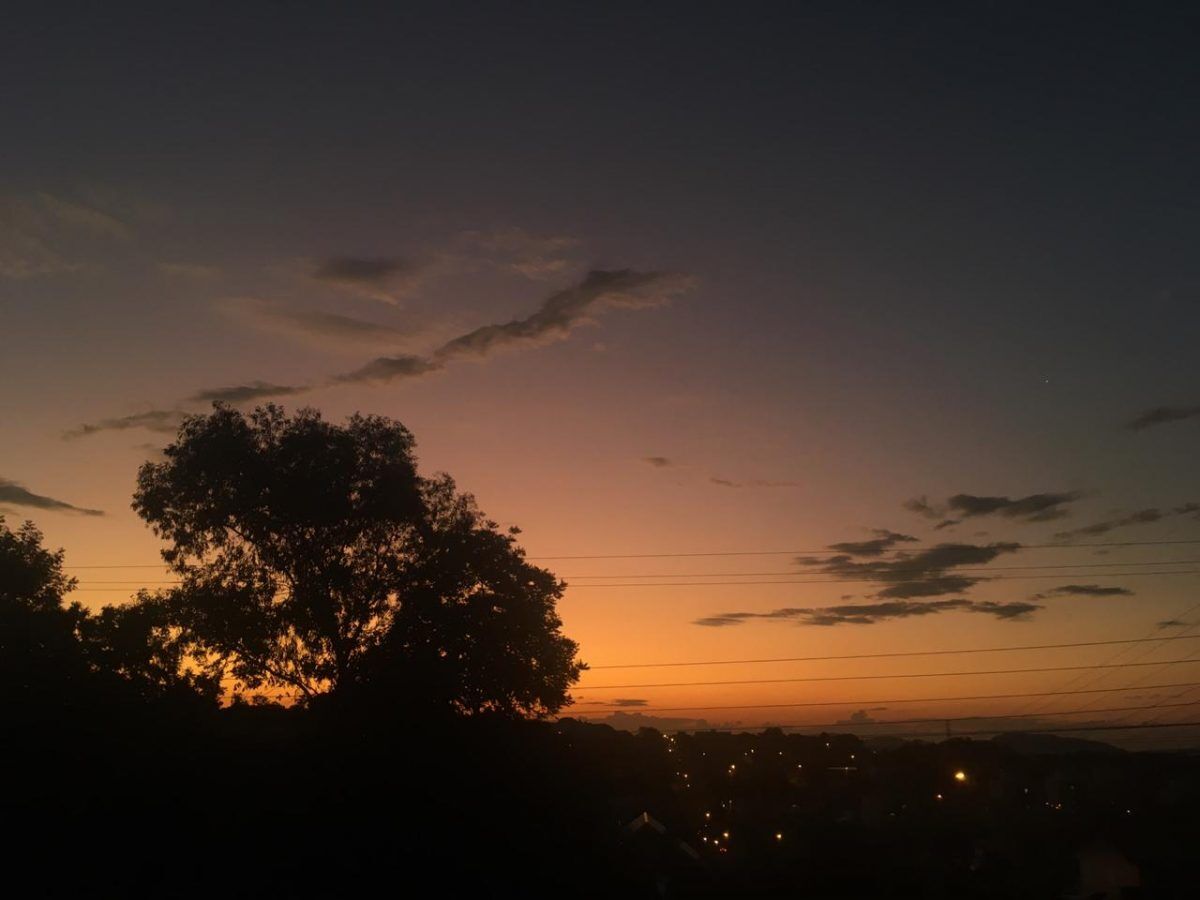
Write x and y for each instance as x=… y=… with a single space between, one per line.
x=648 y=280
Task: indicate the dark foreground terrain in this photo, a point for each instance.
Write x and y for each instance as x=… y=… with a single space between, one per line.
x=269 y=802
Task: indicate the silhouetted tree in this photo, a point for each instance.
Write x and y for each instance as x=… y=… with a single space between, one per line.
x=40 y=657
x=315 y=560
x=138 y=644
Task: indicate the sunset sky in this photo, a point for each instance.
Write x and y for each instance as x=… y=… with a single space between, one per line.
x=652 y=280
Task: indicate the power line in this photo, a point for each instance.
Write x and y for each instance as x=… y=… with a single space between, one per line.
x=735 y=553
x=875 y=580
x=644 y=584
x=861 y=702
x=793 y=572
x=984 y=731
x=880 y=723
x=1127 y=665
x=909 y=545
x=898 y=653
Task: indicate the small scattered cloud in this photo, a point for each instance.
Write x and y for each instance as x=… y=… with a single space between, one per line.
x=1173 y=623
x=1085 y=590
x=752 y=483
x=884 y=541
x=1162 y=415
x=15 y=494
x=861 y=717
x=923 y=573
x=659 y=462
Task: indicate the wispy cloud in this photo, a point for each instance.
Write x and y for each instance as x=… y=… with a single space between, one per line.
x=1031 y=508
x=1142 y=517
x=16 y=494
x=314 y=326
x=374 y=277
x=166 y=421
x=41 y=233
x=884 y=541
x=515 y=250
x=554 y=319
x=243 y=393
x=874 y=613
x=1162 y=415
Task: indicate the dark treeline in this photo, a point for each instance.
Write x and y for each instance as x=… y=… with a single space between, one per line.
x=352 y=689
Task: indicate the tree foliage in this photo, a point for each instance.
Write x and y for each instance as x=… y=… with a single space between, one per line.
x=314 y=560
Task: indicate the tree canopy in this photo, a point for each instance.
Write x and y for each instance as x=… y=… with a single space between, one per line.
x=314 y=560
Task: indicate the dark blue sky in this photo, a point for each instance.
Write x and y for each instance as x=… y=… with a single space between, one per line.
x=917 y=249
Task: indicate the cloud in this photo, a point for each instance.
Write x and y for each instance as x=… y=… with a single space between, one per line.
x=360 y=270
x=522 y=253
x=189 y=271
x=313 y=326
x=922 y=507
x=1085 y=590
x=659 y=462
x=376 y=278
x=861 y=717
x=166 y=421
x=1173 y=623
x=625 y=721
x=566 y=310
x=15 y=494
x=752 y=483
x=1141 y=517
x=554 y=319
x=885 y=541
x=388 y=368
x=874 y=613
x=1032 y=508
x=923 y=573
x=242 y=393
x=1162 y=415
x=41 y=234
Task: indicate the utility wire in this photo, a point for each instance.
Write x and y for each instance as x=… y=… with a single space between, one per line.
x=868 y=702
x=737 y=553
x=644 y=584
x=614 y=687
x=884 y=723
x=794 y=573
x=897 y=653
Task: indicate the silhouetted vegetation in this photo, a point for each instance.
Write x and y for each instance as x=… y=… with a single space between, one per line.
x=348 y=694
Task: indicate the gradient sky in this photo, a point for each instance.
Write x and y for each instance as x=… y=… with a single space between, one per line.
x=887 y=254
